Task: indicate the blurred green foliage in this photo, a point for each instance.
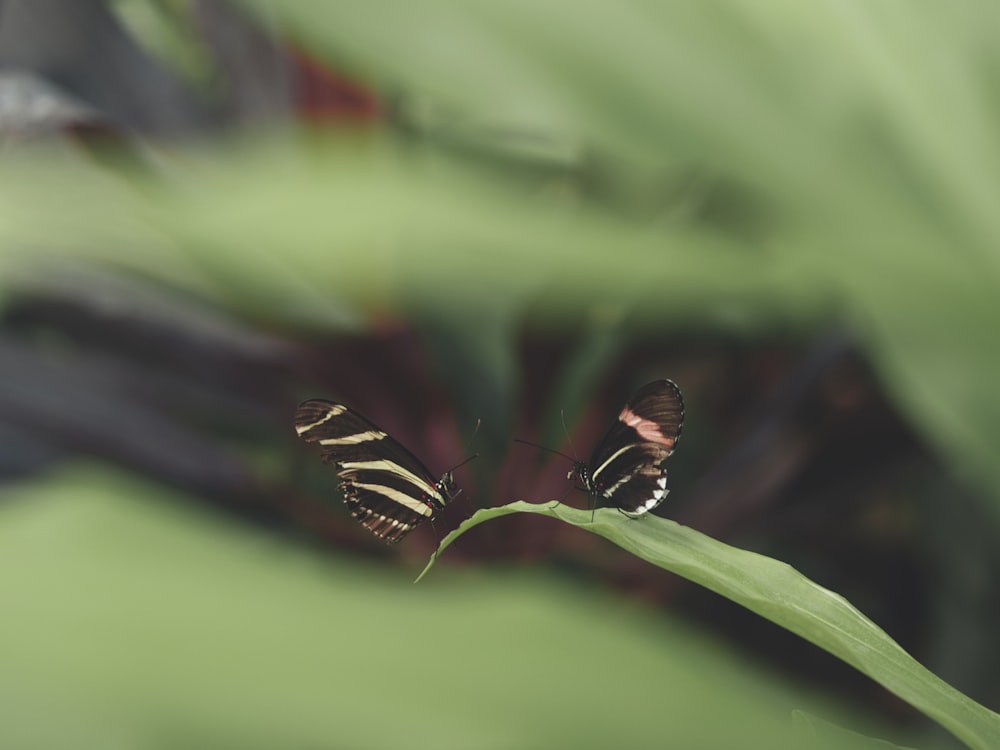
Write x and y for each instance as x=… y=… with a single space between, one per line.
x=132 y=620
x=857 y=141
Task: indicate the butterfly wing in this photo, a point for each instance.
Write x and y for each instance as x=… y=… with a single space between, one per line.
x=627 y=468
x=385 y=486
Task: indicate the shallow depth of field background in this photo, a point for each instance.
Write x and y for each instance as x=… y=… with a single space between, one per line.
x=507 y=214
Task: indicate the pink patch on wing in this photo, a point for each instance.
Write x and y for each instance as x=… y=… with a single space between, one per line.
x=648 y=430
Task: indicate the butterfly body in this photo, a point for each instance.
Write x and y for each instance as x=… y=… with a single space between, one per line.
x=386 y=488
x=627 y=468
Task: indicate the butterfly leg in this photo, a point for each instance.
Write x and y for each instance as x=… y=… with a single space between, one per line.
x=555 y=503
x=437 y=539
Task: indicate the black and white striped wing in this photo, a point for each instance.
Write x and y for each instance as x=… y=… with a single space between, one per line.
x=627 y=468
x=385 y=486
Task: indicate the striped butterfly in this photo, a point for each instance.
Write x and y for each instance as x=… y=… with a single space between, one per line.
x=385 y=486
x=627 y=467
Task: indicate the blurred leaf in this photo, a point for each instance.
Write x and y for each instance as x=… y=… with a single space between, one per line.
x=133 y=620
x=165 y=30
x=877 y=161
x=474 y=349
x=873 y=162
x=815 y=728
x=778 y=592
x=604 y=335
x=276 y=227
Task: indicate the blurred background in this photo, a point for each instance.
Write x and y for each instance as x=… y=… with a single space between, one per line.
x=506 y=214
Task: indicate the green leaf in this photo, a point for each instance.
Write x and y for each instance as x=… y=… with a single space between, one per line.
x=781 y=594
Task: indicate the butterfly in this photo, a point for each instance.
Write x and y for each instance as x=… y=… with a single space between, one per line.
x=626 y=469
x=385 y=486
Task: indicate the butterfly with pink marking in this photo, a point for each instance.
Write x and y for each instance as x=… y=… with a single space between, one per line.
x=627 y=468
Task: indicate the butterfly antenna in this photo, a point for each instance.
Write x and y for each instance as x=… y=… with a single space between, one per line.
x=569 y=438
x=568 y=490
x=437 y=539
x=592 y=500
x=542 y=447
x=463 y=463
x=475 y=433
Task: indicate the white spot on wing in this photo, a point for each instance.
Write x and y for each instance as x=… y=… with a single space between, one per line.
x=362 y=514
x=655 y=500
